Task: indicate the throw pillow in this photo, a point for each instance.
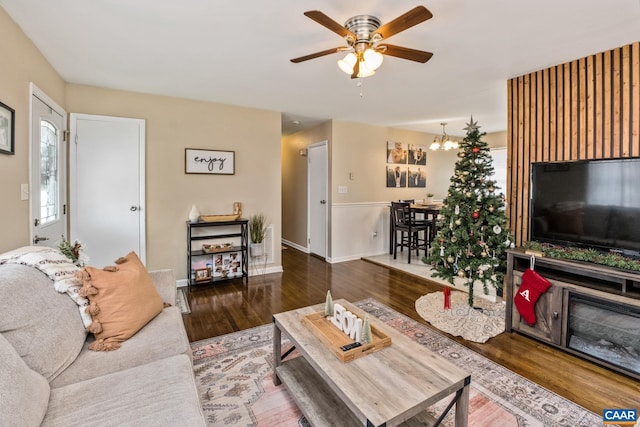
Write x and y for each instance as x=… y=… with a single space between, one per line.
x=122 y=299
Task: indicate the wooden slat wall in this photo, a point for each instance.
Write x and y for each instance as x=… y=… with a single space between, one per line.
x=585 y=109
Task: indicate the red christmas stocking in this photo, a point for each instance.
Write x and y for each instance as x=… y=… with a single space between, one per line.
x=532 y=286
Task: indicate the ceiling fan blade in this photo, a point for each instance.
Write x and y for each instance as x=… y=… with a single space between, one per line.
x=329 y=23
x=404 y=53
x=413 y=17
x=318 y=54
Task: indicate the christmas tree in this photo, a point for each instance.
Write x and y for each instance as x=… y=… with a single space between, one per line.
x=472 y=233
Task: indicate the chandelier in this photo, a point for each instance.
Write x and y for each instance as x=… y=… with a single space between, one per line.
x=443 y=142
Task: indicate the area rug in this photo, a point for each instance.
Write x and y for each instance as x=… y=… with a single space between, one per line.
x=478 y=324
x=233 y=373
x=181 y=301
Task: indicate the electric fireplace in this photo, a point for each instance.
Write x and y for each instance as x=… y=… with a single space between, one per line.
x=605 y=330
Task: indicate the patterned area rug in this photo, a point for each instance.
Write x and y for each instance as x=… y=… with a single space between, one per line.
x=181 y=301
x=477 y=324
x=233 y=373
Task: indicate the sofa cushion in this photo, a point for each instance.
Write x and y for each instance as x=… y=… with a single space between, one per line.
x=161 y=393
x=43 y=325
x=163 y=337
x=24 y=394
x=122 y=299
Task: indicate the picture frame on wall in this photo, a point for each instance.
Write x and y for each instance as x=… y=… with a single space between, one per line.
x=213 y=162
x=417 y=154
x=396 y=153
x=7 y=129
x=396 y=176
x=417 y=177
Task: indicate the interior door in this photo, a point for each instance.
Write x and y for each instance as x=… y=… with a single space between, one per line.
x=48 y=171
x=318 y=205
x=107 y=186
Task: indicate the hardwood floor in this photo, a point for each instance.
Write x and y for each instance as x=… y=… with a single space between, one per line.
x=235 y=306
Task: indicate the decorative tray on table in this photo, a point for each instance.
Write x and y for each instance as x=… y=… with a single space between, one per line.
x=334 y=338
x=217 y=218
x=219 y=247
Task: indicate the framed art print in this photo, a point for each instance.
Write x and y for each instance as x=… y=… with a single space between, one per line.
x=215 y=162
x=7 y=128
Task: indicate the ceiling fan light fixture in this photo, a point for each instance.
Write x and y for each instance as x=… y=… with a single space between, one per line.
x=373 y=59
x=364 y=70
x=346 y=64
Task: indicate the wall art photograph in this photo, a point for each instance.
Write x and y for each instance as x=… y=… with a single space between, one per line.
x=417 y=154
x=7 y=127
x=396 y=153
x=396 y=176
x=216 y=162
x=417 y=177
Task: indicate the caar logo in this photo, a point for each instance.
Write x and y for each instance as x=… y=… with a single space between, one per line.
x=620 y=416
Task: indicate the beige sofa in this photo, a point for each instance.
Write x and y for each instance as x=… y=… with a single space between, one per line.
x=49 y=377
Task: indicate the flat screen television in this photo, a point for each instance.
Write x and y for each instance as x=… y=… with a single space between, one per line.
x=589 y=203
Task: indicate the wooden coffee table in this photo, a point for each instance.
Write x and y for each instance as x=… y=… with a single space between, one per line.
x=387 y=388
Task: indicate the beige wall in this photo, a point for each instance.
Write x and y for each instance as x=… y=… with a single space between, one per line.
x=294 y=181
x=173 y=124
x=21 y=63
x=361 y=150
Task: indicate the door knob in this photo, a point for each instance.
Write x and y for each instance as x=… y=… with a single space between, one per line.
x=37 y=239
x=322 y=202
x=133 y=208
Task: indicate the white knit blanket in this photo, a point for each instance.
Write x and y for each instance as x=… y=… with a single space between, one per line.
x=57 y=267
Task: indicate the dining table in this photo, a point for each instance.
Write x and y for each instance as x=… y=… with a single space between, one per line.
x=430 y=210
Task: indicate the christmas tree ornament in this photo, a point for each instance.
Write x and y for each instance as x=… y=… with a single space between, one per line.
x=475 y=215
x=441 y=250
x=475 y=150
x=461 y=273
x=497 y=229
x=454 y=239
x=491 y=209
x=450 y=259
x=457 y=210
x=458 y=221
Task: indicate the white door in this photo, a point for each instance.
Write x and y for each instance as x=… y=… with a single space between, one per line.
x=318 y=205
x=107 y=186
x=48 y=171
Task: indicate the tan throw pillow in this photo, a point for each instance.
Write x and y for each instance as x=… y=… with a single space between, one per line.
x=122 y=300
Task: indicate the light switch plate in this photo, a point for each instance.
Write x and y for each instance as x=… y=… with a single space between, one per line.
x=342 y=189
x=24 y=191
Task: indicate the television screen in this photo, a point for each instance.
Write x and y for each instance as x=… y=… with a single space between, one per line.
x=594 y=203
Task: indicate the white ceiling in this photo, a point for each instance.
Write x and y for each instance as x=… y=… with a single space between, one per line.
x=237 y=52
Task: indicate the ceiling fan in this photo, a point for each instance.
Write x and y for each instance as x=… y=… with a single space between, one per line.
x=363 y=34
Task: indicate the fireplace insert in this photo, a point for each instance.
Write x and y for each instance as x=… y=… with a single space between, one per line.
x=606 y=330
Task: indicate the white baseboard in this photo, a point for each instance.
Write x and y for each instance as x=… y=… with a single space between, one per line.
x=296 y=246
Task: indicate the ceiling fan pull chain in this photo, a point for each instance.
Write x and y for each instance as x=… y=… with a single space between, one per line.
x=359 y=84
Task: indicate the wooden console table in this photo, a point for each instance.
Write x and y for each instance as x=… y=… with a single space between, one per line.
x=385 y=388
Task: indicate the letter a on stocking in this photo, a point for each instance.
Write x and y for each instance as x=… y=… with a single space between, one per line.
x=532 y=286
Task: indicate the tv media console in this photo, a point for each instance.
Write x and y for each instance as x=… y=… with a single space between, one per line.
x=591 y=311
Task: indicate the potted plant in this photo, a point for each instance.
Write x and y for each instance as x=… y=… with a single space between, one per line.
x=257 y=229
x=429 y=197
